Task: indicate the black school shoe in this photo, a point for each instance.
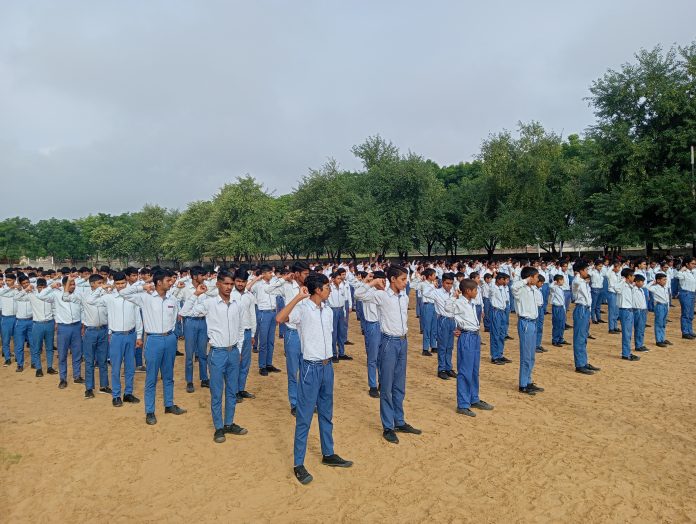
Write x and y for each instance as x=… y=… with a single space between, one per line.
x=131 y=398
x=150 y=419
x=345 y=357
x=427 y=353
x=374 y=393
x=642 y=349
x=407 y=428
x=89 y=394
x=584 y=371
x=390 y=436
x=466 y=411
x=535 y=388
x=189 y=387
x=219 y=436
x=631 y=357
x=592 y=368
x=483 y=405
x=336 y=461
x=205 y=383
x=526 y=390
x=175 y=410
x=235 y=429
x=117 y=402
x=302 y=475
x=443 y=375
x=452 y=373
x=661 y=344
x=51 y=371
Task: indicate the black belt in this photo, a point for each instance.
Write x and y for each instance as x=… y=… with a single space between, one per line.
x=69 y=324
x=24 y=318
x=528 y=319
x=225 y=348
x=123 y=332
x=43 y=321
x=194 y=318
x=96 y=327
x=626 y=308
x=159 y=334
x=394 y=337
x=317 y=362
x=15 y=316
x=340 y=308
x=470 y=332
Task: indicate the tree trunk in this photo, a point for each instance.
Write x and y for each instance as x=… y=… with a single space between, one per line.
x=649 y=246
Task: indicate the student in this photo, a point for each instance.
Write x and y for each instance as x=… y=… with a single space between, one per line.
x=195 y=331
x=624 y=301
x=43 y=328
x=640 y=312
x=428 y=318
x=613 y=279
x=372 y=332
x=499 y=312
x=248 y=304
x=597 y=289
x=527 y=312
x=126 y=332
x=159 y=316
x=315 y=388
x=265 y=319
x=67 y=315
x=539 y=297
x=486 y=296
x=392 y=307
x=20 y=322
x=445 y=327
x=223 y=314
x=686 y=277
x=95 y=342
x=661 y=298
x=289 y=286
x=558 y=312
x=468 y=348
x=340 y=293
x=582 y=294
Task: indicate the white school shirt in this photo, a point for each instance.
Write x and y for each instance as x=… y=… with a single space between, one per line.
x=223 y=320
x=41 y=311
x=464 y=312
x=687 y=280
x=122 y=315
x=660 y=293
x=596 y=279
x=613 y=278
x=440 y=297
x=499 y=297
x=525 y=303
x=63 y=312
x=370 y=313
x=7 y=302
x=538 y=297
x=581 y=292
x=624 y=295
x=159 y=314
x=93 y=315
x=263 y=299
x=557 y=296
x=427 y=292
x=339 y=295
x=392 y=308
x=639 y=298
x=287 y=290
x=315 y=327
x=248 y=303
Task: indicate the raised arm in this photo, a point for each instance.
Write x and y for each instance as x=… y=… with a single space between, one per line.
x=284 y=314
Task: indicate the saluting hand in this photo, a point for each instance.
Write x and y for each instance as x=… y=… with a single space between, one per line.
x=55 y=285
x=149 y=287
x=304 y=293
x=181 y=284
x=200 y=289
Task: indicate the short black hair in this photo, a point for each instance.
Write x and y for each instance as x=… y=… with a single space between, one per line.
x=265 y=268
x=660 y=276
x=222 y=275
x=448 y=276
x=626 y=272
x=299 y=267
x=197 y=271
x=395 y=272
x=639 y=278
x=119 y=275
x=315 y=281
x=541 y=278
x=580 y=265
x=95 y=278
x=501 y=276
x=557 y=278
x=467 y=283
x=240 y=274
x=158 y=277
x=41 y=282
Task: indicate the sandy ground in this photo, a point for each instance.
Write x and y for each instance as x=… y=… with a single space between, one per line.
x=618 y=446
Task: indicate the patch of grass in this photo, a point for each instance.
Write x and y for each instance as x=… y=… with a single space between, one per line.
x=8 y=459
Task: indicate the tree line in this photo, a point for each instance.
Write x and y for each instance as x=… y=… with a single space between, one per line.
x=626 y=181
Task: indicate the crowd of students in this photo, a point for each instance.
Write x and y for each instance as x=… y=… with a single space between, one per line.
x=131 y=320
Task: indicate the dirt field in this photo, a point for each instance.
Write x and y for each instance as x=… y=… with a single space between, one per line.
x=618 y=446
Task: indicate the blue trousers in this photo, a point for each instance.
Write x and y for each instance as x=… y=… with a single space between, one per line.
x=429 y=325
x=195 y=343
x=468 y=362
x=497 y=332
x=545 y=289
x=581 y=329
x=69 y=337
x=7 y=325
x=391 y=363
x=179 y=325
x=526 y=329
x=675 y=288
x=686 y=301
x=419 y=305
x=479 y=312
x=280 y=304
x=540 y=325
x=508 y=309
x=345 y=320
x=640 y=318
x=265 y=335
x=293 y=358
x=160 y=352
x=224 y=377
x=613 y=311
x=558 y=318
x=359 y=313
x=42 y=333
x=22 y=334
x=122 y=351
x=338 y=335
x=314 y=389
x=245 y=361
x=372 y=341
x=648 y=299
x=660 y=322
x=568 y=296
x=95 y=346
x=597 y=294
x=511 y=304
x=445 y=343
x=626 y=317
x=487 y=314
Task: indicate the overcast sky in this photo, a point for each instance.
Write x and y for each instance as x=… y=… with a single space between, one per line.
x=108 y=105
